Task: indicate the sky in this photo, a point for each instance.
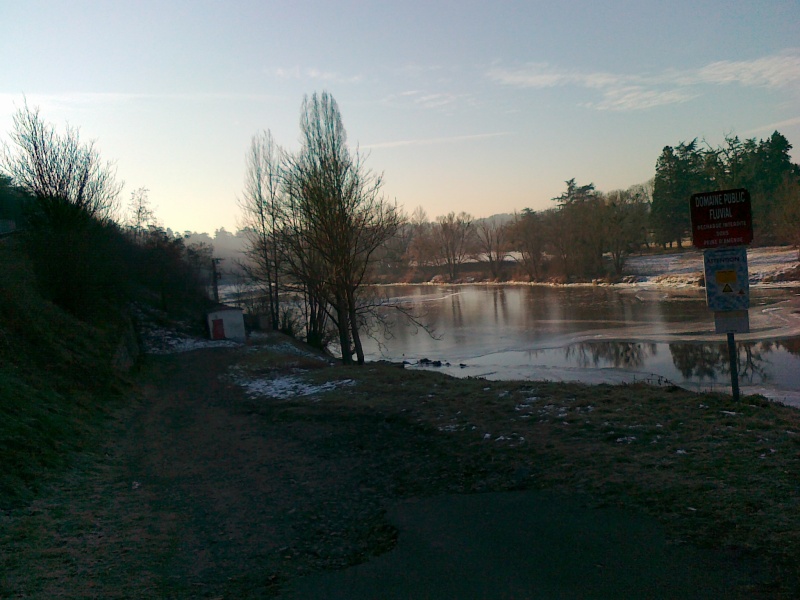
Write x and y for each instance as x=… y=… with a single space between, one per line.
x=483 y=107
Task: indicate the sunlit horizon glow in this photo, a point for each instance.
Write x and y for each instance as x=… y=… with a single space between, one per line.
x=488 y=108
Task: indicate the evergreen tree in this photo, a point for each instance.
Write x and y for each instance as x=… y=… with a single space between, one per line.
x=680 y=172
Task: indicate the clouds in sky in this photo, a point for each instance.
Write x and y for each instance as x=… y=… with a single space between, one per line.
x=643 y=91
x=440 y=140
x=424 y=99
x=777 y=71
x=313 y=74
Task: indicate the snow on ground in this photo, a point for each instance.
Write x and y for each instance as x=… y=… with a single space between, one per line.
x=284 y=347
x=285 y=386
x=157 y=340
x=160 y=340
x=681 y=269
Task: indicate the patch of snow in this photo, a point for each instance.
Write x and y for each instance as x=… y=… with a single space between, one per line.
x=164 y=341
x=287 y=386
x=682 y=269
x=284 y=347
x=158 y=340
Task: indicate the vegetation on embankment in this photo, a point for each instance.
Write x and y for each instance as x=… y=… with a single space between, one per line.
x=208 y=489
x=717 y=473
x=57 y=379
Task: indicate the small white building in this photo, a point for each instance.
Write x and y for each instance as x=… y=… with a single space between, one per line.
x=226 y=323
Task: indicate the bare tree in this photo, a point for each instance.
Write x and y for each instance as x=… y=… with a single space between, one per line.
x=528 y=237
x=335 y=217
x=140 y=215
x=492 y=244
x=625 y=222
x=422 y=250
x=261 y=207
x=453 y=235
x=74 y=194
x=64 y=174
x=392 y=259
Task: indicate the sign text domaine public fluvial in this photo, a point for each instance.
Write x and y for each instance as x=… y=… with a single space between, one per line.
x=721 y=218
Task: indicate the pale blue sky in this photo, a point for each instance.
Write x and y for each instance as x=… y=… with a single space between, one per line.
x=480 y=106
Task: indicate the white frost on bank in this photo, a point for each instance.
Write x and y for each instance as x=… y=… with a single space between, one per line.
x=163 y=341
x=159 y=340
x=283 y=347
x=286 y=386
x=680 y=269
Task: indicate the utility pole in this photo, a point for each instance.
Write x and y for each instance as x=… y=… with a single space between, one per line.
x=215 y=276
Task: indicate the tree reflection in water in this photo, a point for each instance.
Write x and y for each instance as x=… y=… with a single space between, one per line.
x=792 y=345
x=620 y=355
x=707 y=361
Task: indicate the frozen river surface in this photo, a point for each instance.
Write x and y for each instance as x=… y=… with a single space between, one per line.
x=597 y=334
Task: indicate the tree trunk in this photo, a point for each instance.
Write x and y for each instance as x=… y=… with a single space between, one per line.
x=354 y=328
x=342 y=323
x=275 y=293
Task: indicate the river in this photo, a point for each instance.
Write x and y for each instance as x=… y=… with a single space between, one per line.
x=595 y=334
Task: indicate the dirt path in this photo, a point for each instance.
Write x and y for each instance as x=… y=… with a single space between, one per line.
x=239 y=496
x=203 y=492
x=198 y=495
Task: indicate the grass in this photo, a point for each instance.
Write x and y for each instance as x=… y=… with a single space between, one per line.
x=714 y=472
x=56 y=382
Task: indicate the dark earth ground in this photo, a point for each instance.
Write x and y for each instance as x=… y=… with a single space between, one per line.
x=204 y=492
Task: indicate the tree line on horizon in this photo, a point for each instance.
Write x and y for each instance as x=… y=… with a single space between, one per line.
x=763 y=167
x=315 y=226
x=588 y=234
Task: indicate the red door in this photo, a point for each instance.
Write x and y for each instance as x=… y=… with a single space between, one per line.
x=217 y=329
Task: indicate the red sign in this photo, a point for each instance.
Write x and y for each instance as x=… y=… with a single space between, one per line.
x=721 y=218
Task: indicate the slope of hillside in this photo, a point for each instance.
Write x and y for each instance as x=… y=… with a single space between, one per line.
x=56 y=379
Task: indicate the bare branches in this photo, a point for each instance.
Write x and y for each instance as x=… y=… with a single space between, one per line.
x=141 y=216
x=261 y=207
x=335 y=218
x=454 y=238
x=492 y=244
x=316 y=219
x=58 y=169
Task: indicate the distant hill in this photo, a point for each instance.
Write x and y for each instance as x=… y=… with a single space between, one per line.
x=498 y=219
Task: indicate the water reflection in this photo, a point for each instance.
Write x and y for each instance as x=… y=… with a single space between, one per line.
x=619 y=355
x=596 y=333
x=708 y=361
x=694 y=361
x=699 y=361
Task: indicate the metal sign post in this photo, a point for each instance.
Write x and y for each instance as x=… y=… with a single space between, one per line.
x=733 y=358
x=721 y=226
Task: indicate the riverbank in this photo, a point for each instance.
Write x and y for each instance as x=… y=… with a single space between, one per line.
x=771 y=265
x=238 y=472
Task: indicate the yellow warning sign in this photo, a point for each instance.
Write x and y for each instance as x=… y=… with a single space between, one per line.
x=726 y=277
x=727 y=285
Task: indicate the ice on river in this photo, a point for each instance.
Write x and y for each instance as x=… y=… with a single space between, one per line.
x=658 y=329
